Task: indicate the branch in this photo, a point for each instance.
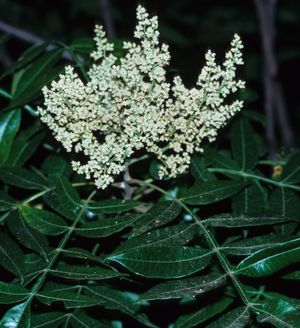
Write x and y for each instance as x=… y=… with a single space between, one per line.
x=20 y=34
x=283 y=121
x=275 y=108
x=28 y=37
x=128 y=190
x=107 y=18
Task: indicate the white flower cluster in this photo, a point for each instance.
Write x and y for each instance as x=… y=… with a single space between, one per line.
x=128 y=106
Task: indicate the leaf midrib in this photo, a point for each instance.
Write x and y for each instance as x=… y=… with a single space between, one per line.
x=208 y=193
x=250 y=266
x=201 y=286
x=157 y=241
x=14 y=264
x=119 y=257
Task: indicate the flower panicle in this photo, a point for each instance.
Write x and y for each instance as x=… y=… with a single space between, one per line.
x=128 y=105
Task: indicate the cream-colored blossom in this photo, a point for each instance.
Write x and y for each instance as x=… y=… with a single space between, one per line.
x=128 y=105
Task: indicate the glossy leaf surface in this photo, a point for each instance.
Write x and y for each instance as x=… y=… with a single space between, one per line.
x=270 y=260
x=12 y=293
x=22 y=178
x=9 y=125
x=238 y=318
x=11 y=256
x=163 y=262
x=19 y=316
x=106 y=227
x=207 y=193
x=280 y=313
x=44 y=221
x=198 y=317
x=184 y=287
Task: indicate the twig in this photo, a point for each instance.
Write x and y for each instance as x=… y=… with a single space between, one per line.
x=28 y=37
x=284 y=124
x=275 y=108
x=20 y=34
x=128 y=190
x=104 y=6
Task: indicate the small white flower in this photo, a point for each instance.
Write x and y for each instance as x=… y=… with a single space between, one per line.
x=128 y=105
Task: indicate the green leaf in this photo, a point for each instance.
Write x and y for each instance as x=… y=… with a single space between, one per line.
x=6 y=202
x=249 y=95
x=70 y=300
x=38 y=74
x=24 y=147
x=163 y=262
x=249 y=246
x=274 y=295
x=184 y=287
x=11 y=256
x=270 y=260
x=82 y=320
x=231 y=221
x=115 y=300
x=9 y=126
x=63 y=198
x=291 y=171
x=44 y=221
x=295 y=275
x=48 y=319
x=285 y=203
x=80 y=253
x=118 y=51
x=84 y=44
x=79 y=272
x=199 y=170
x=243 y=144
x=154 y=169
x=179 y=234
x=280 y=313
x=237 y=318
x=54 y=164
x=18 y=316
x=28 y=55
x=286 y=228
x=105 y=227
x=33 y=262
x=221 y=159
x=15 y=80
x=4 y=216
x=12 y=293
x=211 y=192
x=196 y=318
x=160 y=214
x=112 y=206
x=27 y=236
x=34 y=265
x=22 y=178
x=250 y=201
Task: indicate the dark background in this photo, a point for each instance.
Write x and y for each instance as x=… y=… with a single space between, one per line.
x=190 y=27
